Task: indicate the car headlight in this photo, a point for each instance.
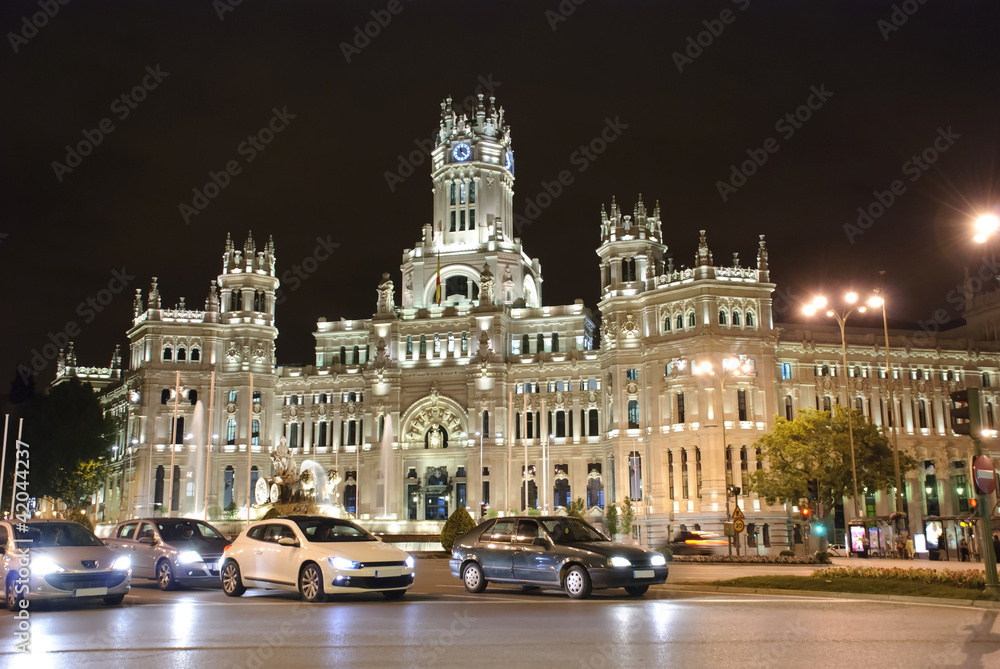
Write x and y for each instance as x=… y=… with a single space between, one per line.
x=619 y=562
x=123 y=563
x=44 y=567
x=187 y=557
x=657 y=560
x=410 y=562
x=343 y=563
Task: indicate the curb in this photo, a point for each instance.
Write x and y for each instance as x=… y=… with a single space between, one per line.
x=981 y=604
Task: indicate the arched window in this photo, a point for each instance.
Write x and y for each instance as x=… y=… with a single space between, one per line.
x=750 y=322
x=409 y=345
x=722 y=317
x=193 y=396
x=666 y=324
x=355 y=356
x=165 y=396
x=343 y=355
x=680 y=322
x=168 y=353
x=195 y=354
x=736 y=317
x=691 y=320
x=423 y=345
x=540 y=342
x=181 y=354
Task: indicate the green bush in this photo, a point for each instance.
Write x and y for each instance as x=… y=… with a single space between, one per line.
x=492 y=513
x=627 y=517
x=457 y=524
x=611 y=524
x=576 y=508
x=969 y=578
x=534 y=512
x=787 y=553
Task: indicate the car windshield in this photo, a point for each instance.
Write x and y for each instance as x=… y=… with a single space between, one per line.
x=51 y=535
x=571 y=530
x=186 y=529
x=326 y=530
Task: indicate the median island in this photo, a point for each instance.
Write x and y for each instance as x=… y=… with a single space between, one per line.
x=967 y=584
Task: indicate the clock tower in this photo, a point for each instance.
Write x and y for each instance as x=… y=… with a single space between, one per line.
x=472 y=171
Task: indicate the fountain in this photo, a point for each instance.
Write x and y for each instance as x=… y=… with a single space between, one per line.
x=196 y=460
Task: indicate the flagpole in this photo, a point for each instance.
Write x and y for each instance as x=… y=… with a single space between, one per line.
x=20 y=426
x=249 y=448
x=173 y=444
x=208 y=455
x=524 y=441
x=438 y=295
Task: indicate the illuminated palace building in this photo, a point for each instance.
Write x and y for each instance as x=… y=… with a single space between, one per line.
x=498 y=401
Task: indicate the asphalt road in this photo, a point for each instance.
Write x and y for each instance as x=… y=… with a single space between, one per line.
x=438 y=624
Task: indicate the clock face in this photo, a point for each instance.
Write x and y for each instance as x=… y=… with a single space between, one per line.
x=461 y=152
x=509 y=160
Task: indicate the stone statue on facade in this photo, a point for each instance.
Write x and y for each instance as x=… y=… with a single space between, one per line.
x=386 y=299
x=487 y=287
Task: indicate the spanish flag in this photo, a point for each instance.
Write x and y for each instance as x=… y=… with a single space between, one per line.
x=439 y=280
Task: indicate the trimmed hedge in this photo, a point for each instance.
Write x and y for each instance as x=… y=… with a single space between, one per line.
x=967 y=578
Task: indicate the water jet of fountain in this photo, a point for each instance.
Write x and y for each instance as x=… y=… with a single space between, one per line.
x=387 y=468
x=196 y=459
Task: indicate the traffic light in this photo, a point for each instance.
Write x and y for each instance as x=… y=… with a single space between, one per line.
x=973 y=503
x=806 y=514
x=814 y=489
x=965 y=412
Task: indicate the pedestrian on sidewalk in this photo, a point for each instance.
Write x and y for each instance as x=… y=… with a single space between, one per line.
x=900 y=548
x=909 y=548
x=963 y=549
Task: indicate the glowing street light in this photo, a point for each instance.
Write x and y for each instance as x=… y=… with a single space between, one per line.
x=818 y=303
x=985 y=226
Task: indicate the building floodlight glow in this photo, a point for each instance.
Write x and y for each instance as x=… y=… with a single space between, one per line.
x=985 y=225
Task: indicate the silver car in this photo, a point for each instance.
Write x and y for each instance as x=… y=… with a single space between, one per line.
x=173 y=551
x=59 y=559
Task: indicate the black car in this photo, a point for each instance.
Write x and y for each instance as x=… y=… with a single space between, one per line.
x=553 y=551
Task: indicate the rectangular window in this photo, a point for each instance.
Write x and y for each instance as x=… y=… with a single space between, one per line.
x=461 y=220
x=231 y=431
x=255 y=433
x=786 y=370
x=453 y=194
x=680 y=408
x=922 y=411
x=453 y=217
x=461 y=194
x=741 y=399
x=633 y=414
x=789 y=412
x=560 y=423
x=472 y=219
x=593 y=420
x=632 y=375
x=232 y=395
x=486 y=425
x=472 y=191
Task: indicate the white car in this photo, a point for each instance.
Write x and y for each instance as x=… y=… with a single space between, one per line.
x=59 y=559
x=316 y=556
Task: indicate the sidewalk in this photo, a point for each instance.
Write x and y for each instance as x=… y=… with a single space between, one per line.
x=890 y=563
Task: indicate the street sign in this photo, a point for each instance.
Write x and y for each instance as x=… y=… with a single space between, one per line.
x=738 y=526
x=984 y=475
x=738 y=513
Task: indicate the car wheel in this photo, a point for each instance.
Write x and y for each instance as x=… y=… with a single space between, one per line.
x=11 y=595
x=165 y=576
x=115 y=600
x=577 y=583
x=473 y=578
x=311 y=584
x=232 y=582
x=393 y=594
x=636 y=590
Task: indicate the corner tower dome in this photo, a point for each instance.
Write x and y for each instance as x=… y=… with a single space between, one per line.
x=472 y=171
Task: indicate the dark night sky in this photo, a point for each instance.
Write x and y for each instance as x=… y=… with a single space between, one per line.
x=324 y=175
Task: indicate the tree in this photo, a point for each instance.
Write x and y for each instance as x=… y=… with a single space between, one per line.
x=611 y=524
x=457 y=524
x=627 y=517
x=74 y=486
x=815 y=446
x=64 y=428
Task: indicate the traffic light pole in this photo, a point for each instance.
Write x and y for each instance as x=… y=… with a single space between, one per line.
x=983 y=501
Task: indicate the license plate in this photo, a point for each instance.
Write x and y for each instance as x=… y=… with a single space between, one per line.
x=90 y=592
x=389 y=573
x=643 y=573
x=212 y=566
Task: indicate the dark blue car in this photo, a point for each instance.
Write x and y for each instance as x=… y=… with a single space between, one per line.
x=552 y=551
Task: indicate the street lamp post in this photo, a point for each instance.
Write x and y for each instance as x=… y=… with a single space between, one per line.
x=841 y=317
x=879 y=301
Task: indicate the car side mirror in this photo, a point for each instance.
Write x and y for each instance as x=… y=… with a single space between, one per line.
x=149 y=541
x=287 y=541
